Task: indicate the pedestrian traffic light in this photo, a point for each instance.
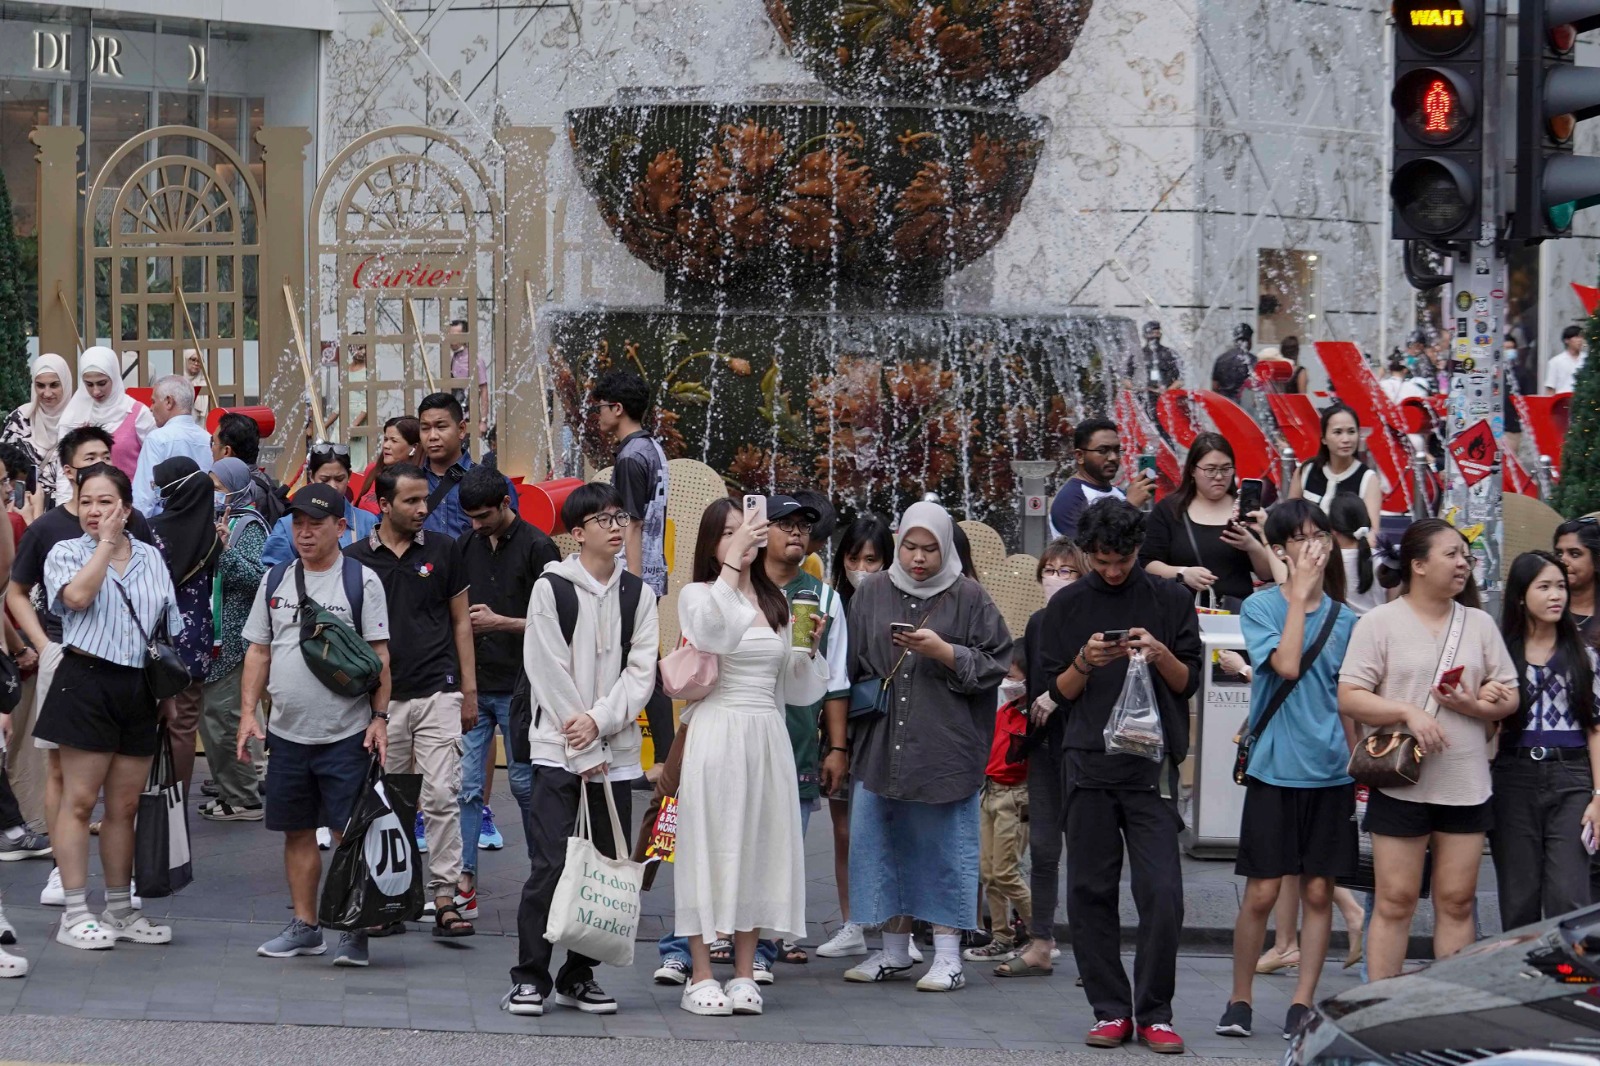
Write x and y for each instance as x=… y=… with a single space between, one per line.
x=1438 y=102
x=1553 y=96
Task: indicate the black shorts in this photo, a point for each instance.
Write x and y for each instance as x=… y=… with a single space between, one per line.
x=1287 y=832
x=95 y=705
x=314 y=785
x=1390 y=817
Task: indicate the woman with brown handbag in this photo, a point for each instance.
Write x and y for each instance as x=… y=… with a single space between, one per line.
x=1423 y=674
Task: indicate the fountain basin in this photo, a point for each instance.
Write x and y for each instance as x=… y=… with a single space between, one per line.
x=968 y=51
x=872 y=408
x=805 y=203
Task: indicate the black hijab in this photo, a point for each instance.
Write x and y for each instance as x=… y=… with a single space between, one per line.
x=186 y=526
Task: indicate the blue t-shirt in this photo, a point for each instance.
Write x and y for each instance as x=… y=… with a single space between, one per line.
x=1304 y=745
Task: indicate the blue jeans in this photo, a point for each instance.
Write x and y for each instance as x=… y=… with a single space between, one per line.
x=673 y=946
x=494 y=709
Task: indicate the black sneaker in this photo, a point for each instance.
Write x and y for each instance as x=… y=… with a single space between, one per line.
x=1298 y=1012
x=586 y=996
x=523 y=999
x=1236 y=1020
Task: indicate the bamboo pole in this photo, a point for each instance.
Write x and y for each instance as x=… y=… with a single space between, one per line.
x=539 y=379
x=205 y=359
x=305 y=364
x=65 y=306
x=422 y=346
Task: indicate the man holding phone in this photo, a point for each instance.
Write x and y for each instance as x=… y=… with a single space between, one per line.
x=1098 y=452
x=1090 y=630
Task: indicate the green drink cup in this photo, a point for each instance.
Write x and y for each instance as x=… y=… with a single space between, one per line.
x=804 y=609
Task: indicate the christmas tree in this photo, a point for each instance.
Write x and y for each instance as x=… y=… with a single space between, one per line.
x=1579 y=490
x=14 y=317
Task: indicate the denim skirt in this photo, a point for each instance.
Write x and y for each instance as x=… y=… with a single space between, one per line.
x=919 y=859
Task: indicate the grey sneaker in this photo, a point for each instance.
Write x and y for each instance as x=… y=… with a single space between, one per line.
x=297 y=938
x=30 y=845
x=352 y=950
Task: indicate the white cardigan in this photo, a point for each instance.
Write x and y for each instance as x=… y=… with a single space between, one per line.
x=715 y=617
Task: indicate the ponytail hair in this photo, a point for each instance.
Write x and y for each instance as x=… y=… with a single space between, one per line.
x=1349 y=516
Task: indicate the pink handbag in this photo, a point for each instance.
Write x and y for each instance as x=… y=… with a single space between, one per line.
x=688 y=673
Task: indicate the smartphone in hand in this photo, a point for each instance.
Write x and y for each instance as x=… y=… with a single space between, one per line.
x=1451 y=677
x=756 y=506
x=1114 y=636
x=1249 y=496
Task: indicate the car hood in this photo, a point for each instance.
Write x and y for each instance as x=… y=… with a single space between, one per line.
x=1537 y=987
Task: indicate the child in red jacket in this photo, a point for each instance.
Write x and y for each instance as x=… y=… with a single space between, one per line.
x=1003 y=820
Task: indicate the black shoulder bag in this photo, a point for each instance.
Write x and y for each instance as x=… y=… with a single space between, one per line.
x=164 y=670
x=1247 y=740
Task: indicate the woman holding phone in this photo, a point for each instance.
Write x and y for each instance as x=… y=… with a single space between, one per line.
x=1546 y=769
x=1337 y=468
x=1432 y=664
x=1197 y=536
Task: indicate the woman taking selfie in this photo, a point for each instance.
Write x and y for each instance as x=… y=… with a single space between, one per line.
x=740 y=860
x=99 y=708
x=865 y=548
x=1196 y=536
x=1337 y=468
x=1433 y=665
x=1547 y=768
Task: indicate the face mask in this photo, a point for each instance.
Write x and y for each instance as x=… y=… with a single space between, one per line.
x=1010 y=690
x=1053 y=585
x=219 y=500
x=858 y=576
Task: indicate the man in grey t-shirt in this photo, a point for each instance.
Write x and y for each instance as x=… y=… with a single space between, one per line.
x=322 y=743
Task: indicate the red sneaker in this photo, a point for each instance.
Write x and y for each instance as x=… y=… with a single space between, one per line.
x=1161 y=1038
x=1113 y=1032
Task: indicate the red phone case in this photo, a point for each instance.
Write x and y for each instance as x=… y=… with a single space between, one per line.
x=1451 y=677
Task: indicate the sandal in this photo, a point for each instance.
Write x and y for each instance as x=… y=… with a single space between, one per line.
x=721 y=951
x=136 y=928
x=85 y=933
x=794 y=954
x=1017 y=966
x=745 y=995
x=12 y=965
x=1271 y=961
x=449 y=923
x=706 y=999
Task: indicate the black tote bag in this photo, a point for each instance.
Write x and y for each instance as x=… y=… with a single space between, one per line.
x=162 y=863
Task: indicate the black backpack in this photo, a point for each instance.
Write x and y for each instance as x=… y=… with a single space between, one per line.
x=274 y=498
x=522 y=715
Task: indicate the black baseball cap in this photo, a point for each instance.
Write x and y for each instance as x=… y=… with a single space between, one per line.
x=318 y=501
x=784 y=506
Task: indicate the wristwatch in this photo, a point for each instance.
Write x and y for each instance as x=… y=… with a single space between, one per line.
x=381 y=714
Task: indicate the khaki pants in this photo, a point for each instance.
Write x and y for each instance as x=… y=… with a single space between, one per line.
x=182 y=715
x=1002 y=834
x=237 y=783
x=425 y=738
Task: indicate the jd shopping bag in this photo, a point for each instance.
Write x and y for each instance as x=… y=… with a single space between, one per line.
x=376 y=876
x=595 y=911
x=161 y=861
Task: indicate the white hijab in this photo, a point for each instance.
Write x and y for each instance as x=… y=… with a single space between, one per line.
x=935 y=520
x=85 y=410
x=45 y=424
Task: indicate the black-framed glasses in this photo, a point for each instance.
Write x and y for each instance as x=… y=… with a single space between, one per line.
x=794 y=525
x=1070 y=573
x=609 y=520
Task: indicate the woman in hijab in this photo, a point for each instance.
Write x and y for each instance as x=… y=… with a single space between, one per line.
x=36 y=425
x=243 y=532
x=928 y=651
x=186 y=533
x=194 y=368
x=102 y=400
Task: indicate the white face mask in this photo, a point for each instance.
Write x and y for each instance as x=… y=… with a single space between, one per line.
x=1053 y=585
x=858 y=576
x=1010 y=689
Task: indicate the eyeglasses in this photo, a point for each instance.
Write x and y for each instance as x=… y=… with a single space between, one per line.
x=793 y=525
x=1067 y=572
x=1319 y=537
x=1103 y=452
x=609 y=520
x=1216 y=473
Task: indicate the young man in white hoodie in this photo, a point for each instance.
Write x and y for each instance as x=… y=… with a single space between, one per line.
x=586 y=690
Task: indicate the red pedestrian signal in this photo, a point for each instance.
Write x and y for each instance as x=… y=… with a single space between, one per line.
x=1436 y=189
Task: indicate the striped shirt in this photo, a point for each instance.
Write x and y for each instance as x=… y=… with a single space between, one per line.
x=106 y=629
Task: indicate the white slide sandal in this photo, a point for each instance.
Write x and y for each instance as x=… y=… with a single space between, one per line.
x=705 y=998
x=87 y=933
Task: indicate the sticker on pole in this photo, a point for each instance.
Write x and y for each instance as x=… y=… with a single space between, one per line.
x=1034 y=506
x=1474 y=452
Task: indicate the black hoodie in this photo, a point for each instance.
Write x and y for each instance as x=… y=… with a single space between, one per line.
x=1089 y=606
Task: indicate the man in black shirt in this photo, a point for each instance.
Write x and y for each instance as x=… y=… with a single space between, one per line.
x=434 y=697
x=1231 y=372
x=503 y=555
x=1114 y=799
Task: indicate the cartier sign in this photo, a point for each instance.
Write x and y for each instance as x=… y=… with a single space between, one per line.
x=380 y=271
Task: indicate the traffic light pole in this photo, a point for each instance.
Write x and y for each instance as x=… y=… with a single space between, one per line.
x=1475 y=422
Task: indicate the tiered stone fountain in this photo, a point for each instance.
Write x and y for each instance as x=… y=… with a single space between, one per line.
x=806 y=239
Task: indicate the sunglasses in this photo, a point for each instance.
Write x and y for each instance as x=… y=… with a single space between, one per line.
x=328 y=447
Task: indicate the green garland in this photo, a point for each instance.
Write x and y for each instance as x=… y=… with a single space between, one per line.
x=1579 y=490
x=15 y=327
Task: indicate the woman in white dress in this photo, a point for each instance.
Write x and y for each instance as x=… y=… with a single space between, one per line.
x=740 y=865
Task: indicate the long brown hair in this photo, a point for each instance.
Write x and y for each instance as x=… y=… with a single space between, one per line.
x=774 y=605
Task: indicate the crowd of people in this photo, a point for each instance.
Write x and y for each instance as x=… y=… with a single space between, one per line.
x=950 y=754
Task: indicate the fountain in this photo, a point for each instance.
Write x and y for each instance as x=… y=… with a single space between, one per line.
x=805 y=237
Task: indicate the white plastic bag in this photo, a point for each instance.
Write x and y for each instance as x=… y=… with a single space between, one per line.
x=1134 y=727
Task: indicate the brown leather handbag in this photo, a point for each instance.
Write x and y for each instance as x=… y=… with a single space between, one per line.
x=1390 y=757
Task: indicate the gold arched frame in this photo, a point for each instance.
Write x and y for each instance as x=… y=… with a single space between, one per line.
x=217 y=306
x=334 y=247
